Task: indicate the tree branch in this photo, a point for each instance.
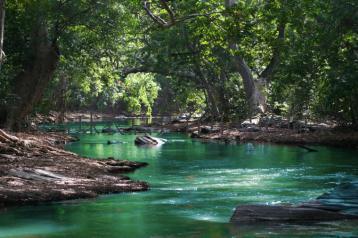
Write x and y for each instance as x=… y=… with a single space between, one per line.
x=2 y=31
x=149 y=69
x=169 y=10
x=155 y=18
x=275 y=60
x=173 y=19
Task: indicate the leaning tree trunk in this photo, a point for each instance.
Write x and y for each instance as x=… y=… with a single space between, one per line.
x=255 y=98
x=210 y=91
x=30 y=84
x=2 y=30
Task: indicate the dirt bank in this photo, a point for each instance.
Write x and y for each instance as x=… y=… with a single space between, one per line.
x=232 y=134
x=34 y=168
x=56 y=117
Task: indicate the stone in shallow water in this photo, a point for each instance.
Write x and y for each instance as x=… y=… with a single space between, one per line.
x=340 y=203
x=344 y=196
x=265 y=213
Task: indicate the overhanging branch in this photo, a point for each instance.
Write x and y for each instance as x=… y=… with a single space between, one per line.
x=275 y=60
x=148 y=69
x=173 y=19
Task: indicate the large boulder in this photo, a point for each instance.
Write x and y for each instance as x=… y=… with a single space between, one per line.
x=287 y=213
x=148 y=140
x=340 y=203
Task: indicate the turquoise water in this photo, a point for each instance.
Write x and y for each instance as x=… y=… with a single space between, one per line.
x=194 y=188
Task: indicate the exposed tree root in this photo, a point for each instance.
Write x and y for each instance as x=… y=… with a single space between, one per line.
x=33 y=169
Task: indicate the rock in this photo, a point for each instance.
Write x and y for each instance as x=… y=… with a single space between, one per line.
x=113 y=142
x=140 y=129
x=344 y=197
x=208 y=129
x=266 y=213
x=195 y=134
x=148 y=140
x=120 y=169
x=250 y=129
x=340 y=203
x=109 y=130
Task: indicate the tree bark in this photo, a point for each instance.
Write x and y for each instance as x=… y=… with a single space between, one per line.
x=2 y=30
x=30 y=84
x=210 y=90
x=61 y=101
x=255 y=98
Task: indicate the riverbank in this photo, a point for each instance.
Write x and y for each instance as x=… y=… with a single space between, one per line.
x=239 y=134
x=34 y=168
x=56 y=117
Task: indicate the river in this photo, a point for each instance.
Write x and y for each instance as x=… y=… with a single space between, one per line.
x=195 y=187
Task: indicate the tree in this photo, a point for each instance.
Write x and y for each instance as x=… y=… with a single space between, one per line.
x=46 y=24
x=2 y=30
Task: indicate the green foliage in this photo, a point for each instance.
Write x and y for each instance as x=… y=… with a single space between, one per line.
x=141 y=90
x=187 y=67
x=319 y=70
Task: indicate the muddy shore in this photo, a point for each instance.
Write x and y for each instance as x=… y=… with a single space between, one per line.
x=34 y=168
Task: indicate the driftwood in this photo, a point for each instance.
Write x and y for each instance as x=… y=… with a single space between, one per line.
x=36 y=174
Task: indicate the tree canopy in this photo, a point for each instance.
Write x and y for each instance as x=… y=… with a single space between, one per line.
x=227 y=59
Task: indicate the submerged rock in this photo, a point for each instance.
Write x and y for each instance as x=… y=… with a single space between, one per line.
x=113 y=142
x=344 y=198
x=109 y=130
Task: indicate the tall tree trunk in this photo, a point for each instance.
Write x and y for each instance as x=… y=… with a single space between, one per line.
x=30 y=84
x=224 y=101
x=210 y=91
x=255 y=98
x=61 y=99
x=2 y=30
x=253 y=89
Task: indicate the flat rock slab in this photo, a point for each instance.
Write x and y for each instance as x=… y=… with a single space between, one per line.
x=264 y=213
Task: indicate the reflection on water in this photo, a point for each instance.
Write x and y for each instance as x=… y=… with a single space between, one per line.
x=194 y=188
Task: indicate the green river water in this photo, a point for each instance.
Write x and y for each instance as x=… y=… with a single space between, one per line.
x=195 y=187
